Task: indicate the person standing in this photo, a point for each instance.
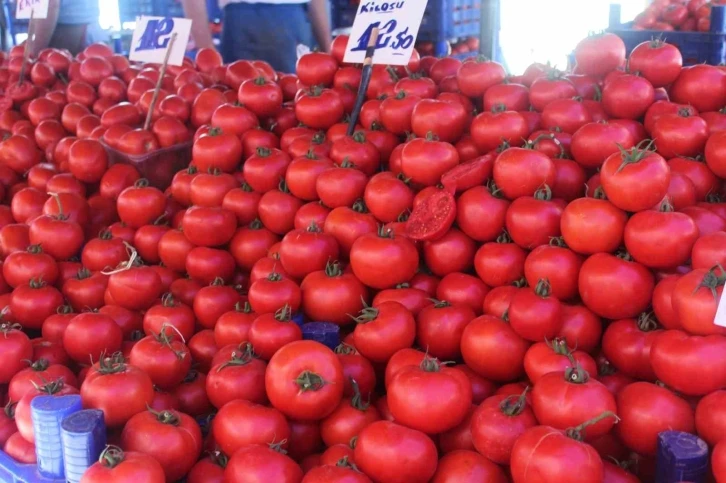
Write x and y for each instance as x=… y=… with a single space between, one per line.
x=69 y=25
x=268 y=30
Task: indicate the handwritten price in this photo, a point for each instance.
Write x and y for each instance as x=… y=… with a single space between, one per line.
x=386 y=37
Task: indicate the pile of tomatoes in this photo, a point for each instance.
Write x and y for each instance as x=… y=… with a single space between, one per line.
x=683 y=15
x=525 y=270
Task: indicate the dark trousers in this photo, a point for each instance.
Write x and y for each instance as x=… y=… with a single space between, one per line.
x=71 y=37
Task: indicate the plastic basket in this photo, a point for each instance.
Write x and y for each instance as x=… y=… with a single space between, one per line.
x=47 y=413
x=696 y=47
x=681 y=457
x=14 y=472
x=83 y=435
x=326 y=333
x=443 y=19
x=159 y=167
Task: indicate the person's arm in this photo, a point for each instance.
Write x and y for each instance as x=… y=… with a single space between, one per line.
x=43 y=28
x=318 y=13
x=196 y=10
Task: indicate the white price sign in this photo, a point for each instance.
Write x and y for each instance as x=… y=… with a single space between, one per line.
x=39 y=8
x=398 y=22
x=720 y=319
x=152 y=37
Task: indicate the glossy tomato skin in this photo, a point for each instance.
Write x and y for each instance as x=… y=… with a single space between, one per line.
x=127 y=466
x=463 y=465
x=566 y=399
x=525 y=303
x=676 y=349
x=331 y=295
x=615 y=288
x=383 y=438
x=172 y=438
x=559 y=265
x=261 y=463
x=447 y=390
x=385 y=329
x=425 y=159
x=554 y=356
x=240 y=423
x=627 y=96
x=372 y=256
x=694 y=302
x=618 y=174
x=627 y=345
x=482 y=347
x=597 y=55
x=470 y=209
x=534 y=452
x=521 y=172
x=497 y=424
x=639 y=426
x=709 y=417
x=533 y=221
x=660 y=239
x=491 y=128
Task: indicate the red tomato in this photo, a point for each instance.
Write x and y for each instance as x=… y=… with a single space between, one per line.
x=172 y=438
x=427 y=383
x=615 y=288
x=639 y=426
x=496 y=126
x=649 y=170
x=15 y=348
x=483 y=344
x=119 y=390
x=521 y=172
x=552 y=455
x=700 y=86
x=330 y=295
x=381 y=439
x=463 y=465
x=676 y=349
x=627 y=96
x=554 y=356
x=269 y=332
x=657 y=61
x=261 y=463
x=116 y=466
x=240 y=377
x=709 y=423
x=597 y=55
x=240 y=423
x=383 y=260
x=425 y=160
x=695 y=298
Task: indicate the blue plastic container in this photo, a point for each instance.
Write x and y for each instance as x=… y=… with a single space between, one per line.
x=47 y=413
x=326 y=333
x=13 y=472
x=443 y=20
x=696 y=47
x=83 y=435
x=681 y=457
x=299 y=319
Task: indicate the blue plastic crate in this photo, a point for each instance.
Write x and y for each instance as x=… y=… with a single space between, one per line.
x=696 y=47
x=13 y=472
x=443 y=19
x=681 y=457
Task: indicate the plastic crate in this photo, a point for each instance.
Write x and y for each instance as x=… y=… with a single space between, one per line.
x=696 y=47
x=158 y=167
x=681 y=457
x=443 y=19
x=13 y=472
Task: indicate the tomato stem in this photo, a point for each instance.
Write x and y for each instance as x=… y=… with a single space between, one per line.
x=310 y=381
x=239 y=358
x=284 y=314
x=647 y=323
x=166 y=417
x=111 y=456
x=578 y=432
x=368 y=314
x=9 y=409
x=543 y=288
x=430 y=364
x=514 y=405
x=356 y=401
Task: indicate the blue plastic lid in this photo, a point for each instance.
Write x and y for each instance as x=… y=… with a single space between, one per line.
x=681 y=457
x=82 y=421
x=299 y=319
x=326 y=333
x=55 y=403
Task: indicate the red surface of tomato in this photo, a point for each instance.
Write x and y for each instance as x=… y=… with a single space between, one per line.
x=622 y=171
x=116 y=466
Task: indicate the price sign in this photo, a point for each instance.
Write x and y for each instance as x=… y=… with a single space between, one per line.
x=152 y=37
x=720 y=319
x=39 y=8
x=397 y=21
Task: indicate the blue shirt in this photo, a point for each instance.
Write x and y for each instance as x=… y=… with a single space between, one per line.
x=77 y=12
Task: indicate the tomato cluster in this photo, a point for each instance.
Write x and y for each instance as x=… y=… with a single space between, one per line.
x=525 y=270
x=684 y=15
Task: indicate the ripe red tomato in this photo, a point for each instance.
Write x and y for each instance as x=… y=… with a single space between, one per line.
x=240 y=423
x=383 y=260
x=319 y=108
x=597 y=55
x=116 y=466
x=700 y=86
x=427 y=384
x=695 y=298
x=521 y=172
x=483 y=344
x=526 y=302
x=172 y=438
x=269 y=332
x=462 y=464
x=426 y=159
x=330 y=295
x=242 y=376
x=676 y=349
x=627 y=96
x=16 y=348
x=381 y=439
x=261 y=463
x=639 y=427
x=565 y=399
x=709 y=422
x=657 y=61
x=646 y=169
x=383 y=330
x=554 y=356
